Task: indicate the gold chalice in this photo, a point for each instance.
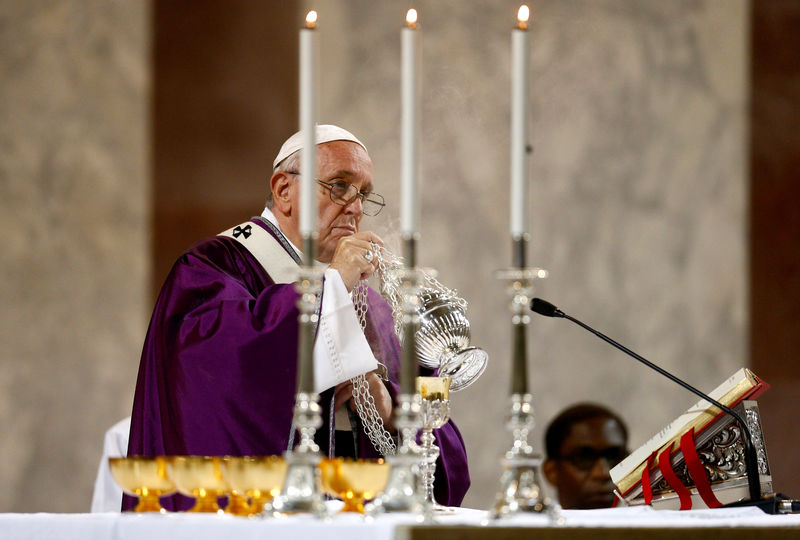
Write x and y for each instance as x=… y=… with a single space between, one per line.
x=353 y=481
x=238 y=504
x=435 y=412
x=199 y=477
x=433 y=388
x=259 y=478
x=143 y=477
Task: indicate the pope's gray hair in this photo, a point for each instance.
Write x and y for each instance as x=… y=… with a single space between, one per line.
x=291 y=163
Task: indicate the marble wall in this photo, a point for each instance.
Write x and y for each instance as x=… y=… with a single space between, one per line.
x=638 y=186
x=638 y=189
x=74 y=205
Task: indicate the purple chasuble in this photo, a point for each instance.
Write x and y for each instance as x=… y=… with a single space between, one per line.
x=218 y=373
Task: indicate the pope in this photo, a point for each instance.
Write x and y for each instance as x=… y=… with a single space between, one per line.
x=218 y=372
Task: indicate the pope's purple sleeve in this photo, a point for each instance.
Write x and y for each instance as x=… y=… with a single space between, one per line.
x=218 y=368
x=452 y=473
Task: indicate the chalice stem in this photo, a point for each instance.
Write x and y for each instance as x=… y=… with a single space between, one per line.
x=148 y=502
x=205 y=504
x=430 y=455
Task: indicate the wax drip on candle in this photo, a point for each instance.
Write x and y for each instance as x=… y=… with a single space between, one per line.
x=523 y=15
x=411 y=18
x=311 y=19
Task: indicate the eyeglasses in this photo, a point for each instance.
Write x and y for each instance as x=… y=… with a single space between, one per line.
x=344 y=193
x=585 y=458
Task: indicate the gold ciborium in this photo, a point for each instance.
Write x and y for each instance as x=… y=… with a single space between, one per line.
x=199 y=477
x=353 y=481
x=258 y=478
x=142 y=477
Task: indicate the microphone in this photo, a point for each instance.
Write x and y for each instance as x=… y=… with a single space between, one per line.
x=543 y=307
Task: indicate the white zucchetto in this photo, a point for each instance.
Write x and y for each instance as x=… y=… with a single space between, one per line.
x=325 y=133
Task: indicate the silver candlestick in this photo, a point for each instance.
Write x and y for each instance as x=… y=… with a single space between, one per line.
x=402 y=489
x=520 y=484
x=301 y=490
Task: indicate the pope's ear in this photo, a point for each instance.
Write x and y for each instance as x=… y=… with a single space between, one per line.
x=550 y=470
x=280 y=184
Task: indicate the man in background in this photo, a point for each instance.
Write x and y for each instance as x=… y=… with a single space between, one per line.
x=583 y=443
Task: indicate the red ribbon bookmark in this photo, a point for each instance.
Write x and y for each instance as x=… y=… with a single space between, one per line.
x=647 y=489
x=672 y=479
x=697 y=471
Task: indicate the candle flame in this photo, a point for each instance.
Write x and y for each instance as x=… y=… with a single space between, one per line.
x=311 y=19
x=523 y=15
x=411 y=18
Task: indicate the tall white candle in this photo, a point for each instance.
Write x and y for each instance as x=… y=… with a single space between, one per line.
x=308 y=155
x=408 y=172
x=519 y=124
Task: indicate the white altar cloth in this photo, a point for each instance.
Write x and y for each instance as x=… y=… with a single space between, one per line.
x=180 y=526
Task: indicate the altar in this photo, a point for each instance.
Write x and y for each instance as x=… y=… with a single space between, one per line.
x=464 y=523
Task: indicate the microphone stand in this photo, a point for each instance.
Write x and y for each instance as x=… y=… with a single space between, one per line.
x=751 y=458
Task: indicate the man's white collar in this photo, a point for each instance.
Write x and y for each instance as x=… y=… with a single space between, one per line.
x=269 y=216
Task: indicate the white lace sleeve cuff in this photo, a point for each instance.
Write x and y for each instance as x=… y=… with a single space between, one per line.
x=341 y=351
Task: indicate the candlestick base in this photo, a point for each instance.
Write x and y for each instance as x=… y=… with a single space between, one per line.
x=520 y=484
x=301 y=492
x=402 y=489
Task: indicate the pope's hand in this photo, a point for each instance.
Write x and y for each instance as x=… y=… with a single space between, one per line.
x=354 y=257
x=383 y=401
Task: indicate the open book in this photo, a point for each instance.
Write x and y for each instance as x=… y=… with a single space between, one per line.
x=741 y=385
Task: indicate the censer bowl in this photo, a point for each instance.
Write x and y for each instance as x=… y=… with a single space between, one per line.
x=464 y=368
x=443 y=340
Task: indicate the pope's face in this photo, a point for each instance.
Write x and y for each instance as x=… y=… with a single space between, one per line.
x=338 y=161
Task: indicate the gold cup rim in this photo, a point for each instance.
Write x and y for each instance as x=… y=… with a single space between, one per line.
x=193 y=457
x=433 y=387
x=140 y=487
x=117 y=459
x=337 y=480
x=176 y=471
x=274 y=458
x=234 y=468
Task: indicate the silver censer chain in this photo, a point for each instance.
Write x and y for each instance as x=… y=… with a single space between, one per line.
x=381 y=439
x=390 y=268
